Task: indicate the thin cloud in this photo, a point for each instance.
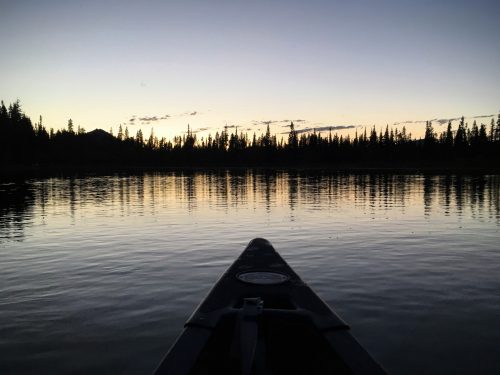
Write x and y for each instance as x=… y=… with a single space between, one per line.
x=199 y=130
x=267 y=122
x=189 y=113
x=289 y=125
x=441 y=121
x=409 y=122
x=294 y=121
x=325 y=128
x=483 y=116
x=148 y=118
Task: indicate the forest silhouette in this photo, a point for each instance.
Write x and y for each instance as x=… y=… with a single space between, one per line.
x=23 y=143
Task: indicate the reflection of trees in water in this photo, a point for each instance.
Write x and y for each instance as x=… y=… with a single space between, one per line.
x=268 y=183
x=494 y=196
x=239 y=183
x=446 y=184
x=479 y=194
x=224 y=189
x=16 y=208
x=26 y=202
x=429 y=193
x=189 y=186
x=293 y=189
x=459 y=194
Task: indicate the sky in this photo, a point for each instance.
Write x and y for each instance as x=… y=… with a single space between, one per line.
x=210 y=64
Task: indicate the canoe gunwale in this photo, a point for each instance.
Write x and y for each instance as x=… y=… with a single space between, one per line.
x=301 y=304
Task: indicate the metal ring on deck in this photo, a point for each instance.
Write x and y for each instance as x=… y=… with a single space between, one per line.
x=263 y=277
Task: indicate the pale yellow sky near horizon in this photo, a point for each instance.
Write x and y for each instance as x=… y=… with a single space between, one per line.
x=209 y=121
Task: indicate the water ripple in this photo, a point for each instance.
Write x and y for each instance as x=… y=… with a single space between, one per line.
x=98 y=273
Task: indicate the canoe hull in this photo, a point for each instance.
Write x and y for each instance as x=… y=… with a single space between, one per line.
x=260 y=317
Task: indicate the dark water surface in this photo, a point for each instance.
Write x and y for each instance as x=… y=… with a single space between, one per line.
x=98 y=274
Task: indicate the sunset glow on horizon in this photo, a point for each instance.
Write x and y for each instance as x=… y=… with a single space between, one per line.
x=320 y=64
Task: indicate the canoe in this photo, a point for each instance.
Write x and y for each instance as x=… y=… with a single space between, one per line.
x=261 y=318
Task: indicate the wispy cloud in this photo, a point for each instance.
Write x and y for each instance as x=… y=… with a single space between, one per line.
x=483 y=116
x=325 y=128
x=298 y=120
x=441 y=121
x=164 y=117
x=295 y=125
x=189 y=113
x=269 y=122
x=199 y=130
x=146 y=120
x=265 y=122
x=409 y=122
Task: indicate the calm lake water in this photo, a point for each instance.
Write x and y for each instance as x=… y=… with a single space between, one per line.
x=98 y=273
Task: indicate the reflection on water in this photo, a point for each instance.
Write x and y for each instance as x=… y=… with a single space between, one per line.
x=98 y=273
x=16 y=206
x=477 y=195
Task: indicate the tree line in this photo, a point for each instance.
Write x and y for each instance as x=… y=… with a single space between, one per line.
x=25 y=143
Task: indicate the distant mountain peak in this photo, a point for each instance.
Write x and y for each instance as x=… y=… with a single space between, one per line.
x=99 y=133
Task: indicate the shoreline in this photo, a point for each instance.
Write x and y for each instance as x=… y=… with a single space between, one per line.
x=47 y=171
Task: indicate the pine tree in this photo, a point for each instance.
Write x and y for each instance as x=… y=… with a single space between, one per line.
x=474 y=135
x=120 y=133
x=386 y=136
x=292 y=137
x=483 y=138
x=497 y=130
x=460 y=135
x=373 y=137
x=139 y=138
x=449 y=136
x=430 y=136
x=151 y=140
x=266 y=141
x=70 y=127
